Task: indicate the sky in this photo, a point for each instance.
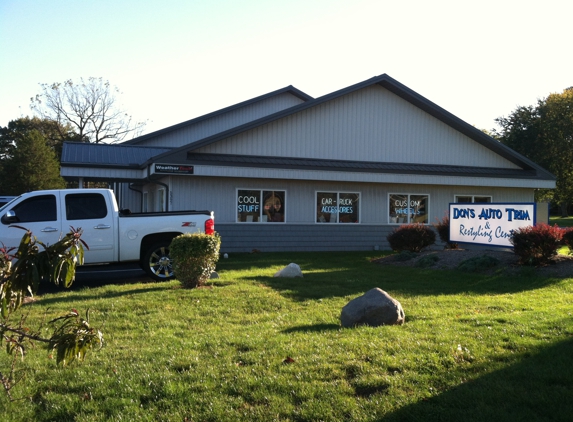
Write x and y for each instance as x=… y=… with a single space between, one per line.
x=174 y=60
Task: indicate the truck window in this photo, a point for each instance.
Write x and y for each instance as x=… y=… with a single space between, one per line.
x=37 y=208
x=85 y=206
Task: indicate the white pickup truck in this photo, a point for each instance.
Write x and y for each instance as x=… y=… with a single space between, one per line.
x=111 y=235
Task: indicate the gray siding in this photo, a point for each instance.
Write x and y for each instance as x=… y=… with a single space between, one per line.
x=220 y=123
x=371 y=124
x=301 y=237
x=219 y=195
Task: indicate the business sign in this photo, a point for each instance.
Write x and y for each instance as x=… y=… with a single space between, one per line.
x=173 y=168
x=489 y=224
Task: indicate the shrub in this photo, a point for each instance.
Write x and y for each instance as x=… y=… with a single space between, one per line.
x=478 y=263
x=411 y=237
x=567 y=238
x=427 y=261
x=536 y=245
x=443 y=229
x=194 y=257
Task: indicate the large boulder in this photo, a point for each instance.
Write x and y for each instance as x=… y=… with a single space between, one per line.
x=374 y=308
x=291 y=270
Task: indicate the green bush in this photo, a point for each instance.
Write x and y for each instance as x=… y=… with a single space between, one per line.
x=194 y=257
x=443 y=229
x=536 y=245
x=478 y=263
x=427 y=261
x=567 y=238
x=411 y=237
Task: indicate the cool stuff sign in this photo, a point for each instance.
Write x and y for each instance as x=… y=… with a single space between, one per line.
x=488 y=224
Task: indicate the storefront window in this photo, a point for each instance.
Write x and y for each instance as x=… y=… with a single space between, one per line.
x=471 y=199
x=406 y=208
x=260 y=206
x=337 y=207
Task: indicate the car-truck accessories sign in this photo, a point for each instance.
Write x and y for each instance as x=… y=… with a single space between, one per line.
x=489 y=224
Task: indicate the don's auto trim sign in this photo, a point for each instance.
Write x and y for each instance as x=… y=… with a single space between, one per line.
x=489 y=224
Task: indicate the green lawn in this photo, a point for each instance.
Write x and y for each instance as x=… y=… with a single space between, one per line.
x=474 y=348
x=561 y=222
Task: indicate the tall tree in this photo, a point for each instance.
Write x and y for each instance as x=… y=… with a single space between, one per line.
x=32 y=166
x=544 y=133
x=90 y=107
x=54 y=133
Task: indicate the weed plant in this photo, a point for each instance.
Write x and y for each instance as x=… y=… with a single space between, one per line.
x=251 y=347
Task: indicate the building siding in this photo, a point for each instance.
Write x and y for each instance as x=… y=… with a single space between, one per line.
x=220 y=123
x=371 y=124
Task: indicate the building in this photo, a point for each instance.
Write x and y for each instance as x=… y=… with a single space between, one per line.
x=284 y=171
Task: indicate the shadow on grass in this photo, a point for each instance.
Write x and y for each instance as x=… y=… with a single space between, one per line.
x=537 y=388
x=398 y=281
x=336 y=274
x=314 y=328
x=100 y=295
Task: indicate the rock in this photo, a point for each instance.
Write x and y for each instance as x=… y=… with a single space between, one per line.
x=290 y=271
x=214 y=274
x=374 y=308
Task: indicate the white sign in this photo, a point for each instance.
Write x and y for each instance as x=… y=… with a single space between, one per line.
x=489 y=224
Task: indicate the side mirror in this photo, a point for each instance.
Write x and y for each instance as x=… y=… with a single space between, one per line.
x=10 y=217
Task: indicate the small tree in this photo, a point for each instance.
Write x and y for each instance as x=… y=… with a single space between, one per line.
x=21 y=272
x=194 y=257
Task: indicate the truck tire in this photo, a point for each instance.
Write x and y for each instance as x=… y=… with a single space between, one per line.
x=156 y=262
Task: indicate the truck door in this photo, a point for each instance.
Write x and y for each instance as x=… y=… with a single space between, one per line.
x=91 y=212
x=39 y=214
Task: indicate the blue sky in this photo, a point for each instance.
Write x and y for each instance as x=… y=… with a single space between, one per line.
x=176 y=60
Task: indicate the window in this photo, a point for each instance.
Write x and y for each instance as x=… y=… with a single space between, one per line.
x=406 y=208
x=337 y=207
x=260 y=206
x=471 y=199
x=37 y=208
x=85 y=206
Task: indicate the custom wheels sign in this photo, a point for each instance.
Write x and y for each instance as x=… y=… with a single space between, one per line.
x=489 y=224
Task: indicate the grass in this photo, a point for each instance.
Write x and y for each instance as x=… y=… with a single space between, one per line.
x=561 y=221
x=257 y=348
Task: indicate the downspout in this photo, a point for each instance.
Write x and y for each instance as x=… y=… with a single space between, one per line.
x=147 y=178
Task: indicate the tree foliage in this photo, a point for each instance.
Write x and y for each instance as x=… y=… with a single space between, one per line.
x=544 y=134
x=54 y=133
x=21 y=272
x=90 y=107
x=29 y=164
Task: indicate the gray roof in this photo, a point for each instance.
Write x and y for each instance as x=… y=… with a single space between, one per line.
x=354 y=166
x=78 y=154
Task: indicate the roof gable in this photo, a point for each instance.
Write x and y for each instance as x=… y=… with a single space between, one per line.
x=227 y=111
x=395 y=88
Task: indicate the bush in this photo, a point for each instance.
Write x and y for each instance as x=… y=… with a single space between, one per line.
x=411 y=237
x=478 y=263
x=567 y=238
x=427 y=261
x=536 y=245
x=194 y=257
x=443 y=229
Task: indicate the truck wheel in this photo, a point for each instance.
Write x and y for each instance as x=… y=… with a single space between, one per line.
x=157 y=263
